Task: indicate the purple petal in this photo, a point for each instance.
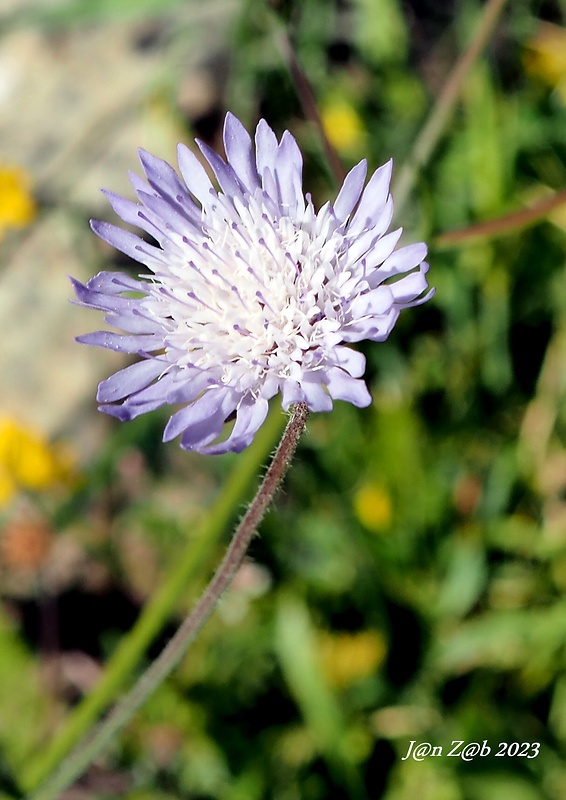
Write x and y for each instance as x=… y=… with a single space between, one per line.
x=250 y=417
x=225 y=175
x=115 y=283
x=270 y=387
x=127 y=411
x=201 y=421
x=270 y=188
x=156 y=390
x=122 y=343
x=172 y=216
x=372 y=201
x=403 y=260
x=317 y=398
x=288 y=173
x=189 y=384
x=133 y=320
x=194 y=175
x=129 y=380
x=350 y=192
x=148 y=399
x=420 y=300
x=132 y=213
x=377 y=329
x=141 y=186
x=365 y=243
x=343 y=387
x=101 y=301
x=266 y=148
x=239 y=151
x=198 y=436
x=292 y=393
x=377 y=254
x=128 y=243
x=350 y=360
x=409 y=287
x=376 y=302
x=161 y=175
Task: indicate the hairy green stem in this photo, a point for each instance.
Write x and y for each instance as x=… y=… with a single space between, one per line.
x=191 y=563
x=75 y=764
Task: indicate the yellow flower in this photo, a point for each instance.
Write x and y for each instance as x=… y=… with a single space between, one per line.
x=7 y=487
x=29 y=461
x=372 y=507
x=348 y=657
x=343 y=126
x=17 y=206
x=546 y=57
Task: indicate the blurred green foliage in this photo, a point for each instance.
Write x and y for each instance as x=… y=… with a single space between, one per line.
x=410 y=584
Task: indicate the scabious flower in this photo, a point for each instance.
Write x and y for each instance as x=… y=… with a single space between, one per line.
x=251 y=291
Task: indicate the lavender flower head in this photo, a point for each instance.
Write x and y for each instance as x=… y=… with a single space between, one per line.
x=251 y=291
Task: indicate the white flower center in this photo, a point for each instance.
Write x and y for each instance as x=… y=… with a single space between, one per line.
x=254 y=296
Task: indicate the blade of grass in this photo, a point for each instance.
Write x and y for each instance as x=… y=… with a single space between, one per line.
x=295 y=642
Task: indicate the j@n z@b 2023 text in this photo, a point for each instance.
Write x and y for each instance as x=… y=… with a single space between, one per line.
x=467 y=751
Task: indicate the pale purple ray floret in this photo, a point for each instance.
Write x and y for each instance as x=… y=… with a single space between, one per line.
x=251 y=291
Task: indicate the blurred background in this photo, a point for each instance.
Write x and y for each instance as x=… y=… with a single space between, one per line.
x=410 y=583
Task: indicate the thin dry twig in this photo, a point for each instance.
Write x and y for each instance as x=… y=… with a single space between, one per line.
x=308 y=103
x=433 y=128
x=504 y=225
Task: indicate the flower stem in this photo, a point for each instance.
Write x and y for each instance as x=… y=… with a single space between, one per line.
x=191 y=562
x=74 y=765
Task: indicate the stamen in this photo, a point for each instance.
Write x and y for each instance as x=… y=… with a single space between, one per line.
x=193 y=296
x=262 y=299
